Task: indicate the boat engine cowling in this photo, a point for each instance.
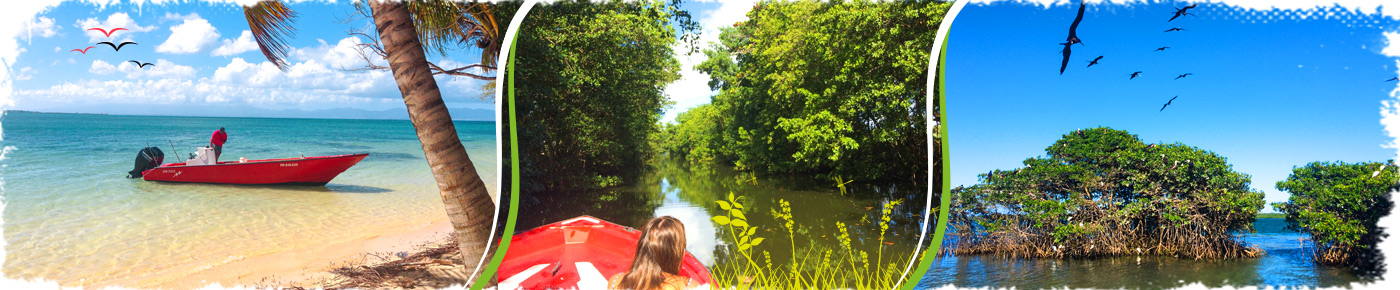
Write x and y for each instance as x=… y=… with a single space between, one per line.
x=149 y=157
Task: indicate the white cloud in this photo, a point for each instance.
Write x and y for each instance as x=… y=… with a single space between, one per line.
x=178 y=16
x=191 y=36
x=177 y=91
x=113 y=21
x=24 y=74
x=40 y=27
x=161 y=68
x=344 y=55
x=238 y=71
x=244 y=43
x=1392 y=40
x=102 y=68
x=314 y=78
x=692 y=89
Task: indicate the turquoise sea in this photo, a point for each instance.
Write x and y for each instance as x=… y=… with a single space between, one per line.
x=71 y=216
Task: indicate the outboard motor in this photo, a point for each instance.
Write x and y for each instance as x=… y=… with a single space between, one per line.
x=149 y=157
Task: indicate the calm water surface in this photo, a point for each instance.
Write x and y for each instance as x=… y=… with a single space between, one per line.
x=71 y=216
x=690 y=196
x=1287 y=263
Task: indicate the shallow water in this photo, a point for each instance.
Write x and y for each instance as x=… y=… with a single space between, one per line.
x=1287 y=263
x=71 y=216
x=690 y=195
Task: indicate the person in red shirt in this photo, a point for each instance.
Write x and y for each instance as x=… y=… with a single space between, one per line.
x=217 y=141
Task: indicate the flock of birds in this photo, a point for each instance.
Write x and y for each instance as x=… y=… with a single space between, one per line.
x=115 y=47
x=1073 y=39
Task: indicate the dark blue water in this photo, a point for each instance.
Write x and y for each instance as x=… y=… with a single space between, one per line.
x=1287 y=262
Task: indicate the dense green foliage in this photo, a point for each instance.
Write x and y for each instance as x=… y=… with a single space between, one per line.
x=590 y=80
x=818 y=88
x=1103 y=192
x=1338 y=204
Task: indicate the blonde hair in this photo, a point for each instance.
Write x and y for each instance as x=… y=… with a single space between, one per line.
x=659 y=252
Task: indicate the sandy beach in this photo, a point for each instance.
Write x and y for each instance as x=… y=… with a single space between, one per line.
x=304 y=267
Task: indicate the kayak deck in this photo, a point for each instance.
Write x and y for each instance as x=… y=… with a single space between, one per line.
x=579 y=253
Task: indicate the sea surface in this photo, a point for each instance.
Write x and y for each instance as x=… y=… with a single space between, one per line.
x=1287 y=262
x=71 y=216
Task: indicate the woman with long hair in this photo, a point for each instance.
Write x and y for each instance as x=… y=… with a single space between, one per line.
x=657 y=264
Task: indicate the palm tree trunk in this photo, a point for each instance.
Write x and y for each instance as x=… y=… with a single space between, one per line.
x=469 y=206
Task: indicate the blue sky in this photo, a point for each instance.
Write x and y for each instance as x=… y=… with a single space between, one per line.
x=204 y=59
x=692 y=89
x=1269 y=90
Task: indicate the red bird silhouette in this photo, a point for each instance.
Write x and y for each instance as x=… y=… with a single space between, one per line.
x=107 y=33
x=84 y=51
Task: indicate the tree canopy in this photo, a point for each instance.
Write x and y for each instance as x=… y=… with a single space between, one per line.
x=1338 y=204
x=825 y=88
x=590 y=89
x=1103 y=192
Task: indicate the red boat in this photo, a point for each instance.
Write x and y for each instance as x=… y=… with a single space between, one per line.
x=314 y=171
x=579 y=253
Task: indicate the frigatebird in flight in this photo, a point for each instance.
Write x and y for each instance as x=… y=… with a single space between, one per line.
x=1182 y=76
x=116 y=47
x=106 y=32
x=1175 y=29
x=1162 y=48
x=1095 y=61
x=1135 y=75
x=1391 y=79
x=1182 y=11
x=1169 y=102
x=1072 y=38
x=141 y=65
x=84 y=51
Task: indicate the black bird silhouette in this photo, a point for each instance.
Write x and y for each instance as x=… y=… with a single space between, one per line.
x=1162 y=48
x=1181 y=11
x=1135 y=75
x=1175 y=29
x=141 y=65
x=1393 y=79
x=116 y=47
x=1072 y=38
x=1182 y=75
x=1169 y=102
x=1095 y=61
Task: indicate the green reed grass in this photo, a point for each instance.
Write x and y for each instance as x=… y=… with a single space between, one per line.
x=813 y=266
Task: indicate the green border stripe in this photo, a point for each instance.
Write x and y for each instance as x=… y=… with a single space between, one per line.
x=514 y=174
x=946 y=197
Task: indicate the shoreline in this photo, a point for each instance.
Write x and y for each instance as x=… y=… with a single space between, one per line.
x=308 y=267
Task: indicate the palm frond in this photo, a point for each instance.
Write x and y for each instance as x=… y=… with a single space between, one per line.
x=487 y=34
x=444 y=23
x=271 y=24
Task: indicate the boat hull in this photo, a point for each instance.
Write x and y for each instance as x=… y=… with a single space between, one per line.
x=579 y=253
x=313 y=171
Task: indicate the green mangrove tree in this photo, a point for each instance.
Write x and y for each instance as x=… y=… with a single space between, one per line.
x=1103 y=192
x=1338 y=205
x=590 y=80
x=817 y=88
